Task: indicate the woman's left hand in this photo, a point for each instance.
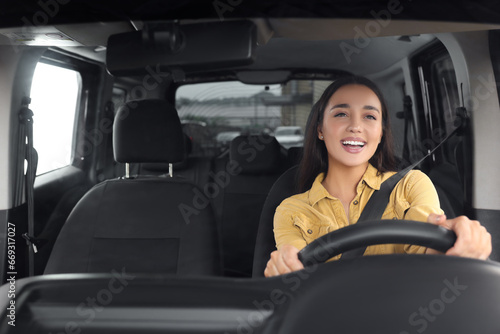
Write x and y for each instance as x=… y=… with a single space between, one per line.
x=472 y=238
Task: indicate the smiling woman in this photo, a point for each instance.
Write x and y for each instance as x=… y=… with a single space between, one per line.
x=348 y=155
x=356 y=125
x=330 y=112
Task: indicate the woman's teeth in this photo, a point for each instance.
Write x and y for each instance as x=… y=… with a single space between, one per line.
x=353 y=143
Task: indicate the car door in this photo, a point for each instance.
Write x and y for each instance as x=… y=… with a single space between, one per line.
x=66 y=96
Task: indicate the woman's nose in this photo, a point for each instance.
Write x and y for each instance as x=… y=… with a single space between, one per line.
x=354 y=126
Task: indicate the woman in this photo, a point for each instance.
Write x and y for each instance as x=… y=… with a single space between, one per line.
x=348 y=153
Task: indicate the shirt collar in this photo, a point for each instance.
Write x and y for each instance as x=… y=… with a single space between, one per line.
x=371 y=178
x=317 y=191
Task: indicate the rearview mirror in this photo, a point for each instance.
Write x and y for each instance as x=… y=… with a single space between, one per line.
x=187 y=47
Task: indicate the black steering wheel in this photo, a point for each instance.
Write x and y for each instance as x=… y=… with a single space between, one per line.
x=374 y=232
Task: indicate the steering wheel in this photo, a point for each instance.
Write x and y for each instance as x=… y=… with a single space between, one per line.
x=374 y=232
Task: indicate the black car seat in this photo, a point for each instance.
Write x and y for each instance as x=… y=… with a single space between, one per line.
x=162 y=169
x=143 y=224
x=255 y=163
x=284 y=187
x=294 y=155
x=193 y=168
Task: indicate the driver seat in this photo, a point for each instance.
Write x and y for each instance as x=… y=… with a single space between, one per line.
x=284 y=187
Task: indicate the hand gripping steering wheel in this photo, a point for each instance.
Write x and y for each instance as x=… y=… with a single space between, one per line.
x=376 y=232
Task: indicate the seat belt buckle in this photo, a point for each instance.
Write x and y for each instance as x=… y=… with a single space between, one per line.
x=31 y=241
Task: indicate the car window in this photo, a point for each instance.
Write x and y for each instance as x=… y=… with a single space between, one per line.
x=54 y=98
x=440 y=98
x=213 y=114
x=287 y=131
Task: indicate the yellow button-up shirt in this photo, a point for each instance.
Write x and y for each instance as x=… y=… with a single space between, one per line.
x=302 y=218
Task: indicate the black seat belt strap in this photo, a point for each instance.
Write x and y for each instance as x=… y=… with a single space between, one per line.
x=26 y=122
x=377 y=203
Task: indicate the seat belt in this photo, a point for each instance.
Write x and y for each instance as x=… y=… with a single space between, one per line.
x=378 y=202
x=29 y=154
x=407 y=115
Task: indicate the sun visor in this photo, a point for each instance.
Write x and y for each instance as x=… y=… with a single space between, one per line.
x=189 y=48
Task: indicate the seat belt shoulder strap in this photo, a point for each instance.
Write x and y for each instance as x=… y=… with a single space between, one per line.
x=377 y=203
x=376 y=206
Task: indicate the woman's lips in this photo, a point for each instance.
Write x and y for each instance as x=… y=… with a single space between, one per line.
x=352 y=149
x=353 y=145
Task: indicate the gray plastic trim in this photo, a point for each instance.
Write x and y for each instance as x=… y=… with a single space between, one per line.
x=471 y=58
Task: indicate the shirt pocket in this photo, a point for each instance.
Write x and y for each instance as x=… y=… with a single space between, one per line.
x=397 y=211
x=310 y=232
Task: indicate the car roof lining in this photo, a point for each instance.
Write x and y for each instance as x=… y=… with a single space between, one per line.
x=332 y=37
x=16 y=12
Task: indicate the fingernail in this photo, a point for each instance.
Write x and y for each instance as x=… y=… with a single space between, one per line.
x=438 y=218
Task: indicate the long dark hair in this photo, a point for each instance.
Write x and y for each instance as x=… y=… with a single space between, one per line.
x=315 y=156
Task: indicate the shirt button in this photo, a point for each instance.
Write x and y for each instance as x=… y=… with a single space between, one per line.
x=395 y=218
x=310 y=231
x=355 y=202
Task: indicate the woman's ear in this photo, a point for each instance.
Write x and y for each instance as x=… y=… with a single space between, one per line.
x=320 y=133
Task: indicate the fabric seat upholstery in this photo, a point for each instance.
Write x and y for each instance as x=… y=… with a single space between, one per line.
x=193 y=168
x=257 y=162
x=284 y=187
x=138 y=224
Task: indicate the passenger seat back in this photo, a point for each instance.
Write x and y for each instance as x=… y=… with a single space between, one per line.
x=140 y=224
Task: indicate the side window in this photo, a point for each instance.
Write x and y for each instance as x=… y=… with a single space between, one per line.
x=55 y=93
x=449 y=167
x=446 y=90
x=440 y=99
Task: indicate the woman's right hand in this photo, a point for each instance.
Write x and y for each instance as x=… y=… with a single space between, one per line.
x=283 y=261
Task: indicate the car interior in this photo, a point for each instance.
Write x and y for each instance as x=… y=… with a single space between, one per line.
x=158 y=166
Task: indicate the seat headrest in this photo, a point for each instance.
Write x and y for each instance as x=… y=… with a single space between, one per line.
x=256 y=153
x=148 y=131
x=162 y=168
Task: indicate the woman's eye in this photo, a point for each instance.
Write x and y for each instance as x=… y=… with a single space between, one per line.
x=340 y=114
x=371 y=117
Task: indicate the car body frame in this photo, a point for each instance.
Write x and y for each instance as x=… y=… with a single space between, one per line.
x=437 y=64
